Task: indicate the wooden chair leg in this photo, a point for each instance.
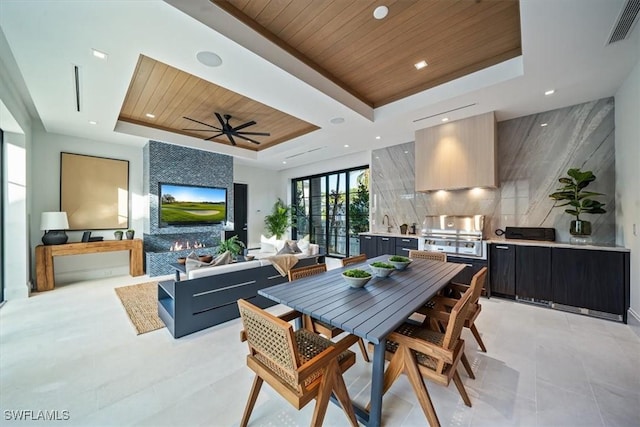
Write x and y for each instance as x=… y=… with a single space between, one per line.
x=467 y=366
x=363 y=349
x=253 y=395
x=340 y=390
x=476 y=334
x=324 y=393
x=415 y=378
x=461 y=389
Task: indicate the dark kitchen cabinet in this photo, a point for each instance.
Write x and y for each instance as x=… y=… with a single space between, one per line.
x=386 y=245
x=532 y=273
x=405 y=244
x=369 y=246
x=502 y=269
x=591 y=279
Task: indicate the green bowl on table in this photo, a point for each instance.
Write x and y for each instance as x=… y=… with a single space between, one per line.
x=356 y=278
x=381 y=269
x=400 y=262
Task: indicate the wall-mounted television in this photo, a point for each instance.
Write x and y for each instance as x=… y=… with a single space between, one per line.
x=182 y=204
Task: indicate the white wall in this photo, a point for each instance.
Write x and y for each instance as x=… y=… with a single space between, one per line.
x=45 y=172
x=263 y=190
x=627 y=190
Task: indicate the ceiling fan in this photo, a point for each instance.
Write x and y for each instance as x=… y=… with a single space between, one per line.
x=228 y=130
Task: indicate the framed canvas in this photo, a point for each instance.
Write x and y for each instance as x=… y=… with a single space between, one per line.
x=94 y=192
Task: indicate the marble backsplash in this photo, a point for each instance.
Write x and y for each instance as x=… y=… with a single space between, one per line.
x=531 y=158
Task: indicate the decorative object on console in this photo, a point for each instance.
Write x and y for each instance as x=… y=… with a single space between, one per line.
x=581 y=202
x=130 y=234
x=279 y=220
x=54 y=224
x=86 y=236
x=118 y=234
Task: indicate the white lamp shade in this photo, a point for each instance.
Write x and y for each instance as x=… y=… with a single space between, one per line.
x=54 y=221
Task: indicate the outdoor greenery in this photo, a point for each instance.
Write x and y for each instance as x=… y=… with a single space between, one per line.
x=233 y=245
x=360 y=274
x=279 y=220
x=573 y=194
x=359 y=206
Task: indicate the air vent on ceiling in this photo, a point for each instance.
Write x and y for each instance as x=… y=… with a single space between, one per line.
x=76 y=85
x=304 y=152
x=444 y=112
x=625 y=22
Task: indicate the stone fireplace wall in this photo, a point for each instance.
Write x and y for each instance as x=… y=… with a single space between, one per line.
x=180 y=165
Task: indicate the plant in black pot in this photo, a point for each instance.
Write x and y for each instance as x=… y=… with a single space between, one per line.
x=580 y=202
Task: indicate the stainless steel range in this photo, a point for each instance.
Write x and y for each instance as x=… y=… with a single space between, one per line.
x=455 y=235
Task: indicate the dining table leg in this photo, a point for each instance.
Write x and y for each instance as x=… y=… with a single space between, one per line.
x=377 y=381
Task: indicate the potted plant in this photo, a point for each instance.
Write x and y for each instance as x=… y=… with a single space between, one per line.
x=130 y=234
x=356 y=278
x=279 y=220
x=233 y=245
x=579 y=200
x=118 y=234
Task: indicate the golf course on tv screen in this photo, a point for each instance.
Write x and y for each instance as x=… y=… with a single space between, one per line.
x=192 y=205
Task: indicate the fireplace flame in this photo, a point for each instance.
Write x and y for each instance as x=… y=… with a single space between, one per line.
x=180 y=246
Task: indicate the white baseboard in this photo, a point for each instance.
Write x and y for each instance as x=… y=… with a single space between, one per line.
x=634 y=314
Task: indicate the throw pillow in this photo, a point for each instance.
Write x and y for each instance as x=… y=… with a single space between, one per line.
x=303 y=244
x=267 y=244
x=192 y=262
x=222 y=259
x=293 y=246
x=285 y=250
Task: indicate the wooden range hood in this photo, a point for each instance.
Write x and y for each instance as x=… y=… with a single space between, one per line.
x=457 y=155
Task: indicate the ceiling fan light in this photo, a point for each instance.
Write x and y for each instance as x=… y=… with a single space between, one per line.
x=209 y=59
x=380 y=12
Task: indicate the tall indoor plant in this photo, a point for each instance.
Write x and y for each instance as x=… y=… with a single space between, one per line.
x=579 y=200
x=279 y=219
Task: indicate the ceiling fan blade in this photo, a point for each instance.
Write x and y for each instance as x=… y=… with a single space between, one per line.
x=205 y=130
x=214 y=136
x=249 y=139
x=233 y=142
x=252 y=133
x=246 y=125
x=202 y=123
x=220 y=119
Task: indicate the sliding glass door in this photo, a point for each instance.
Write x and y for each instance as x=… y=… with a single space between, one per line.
x=332 y=209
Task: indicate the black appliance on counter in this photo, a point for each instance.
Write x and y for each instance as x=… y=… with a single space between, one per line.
x=531 y=233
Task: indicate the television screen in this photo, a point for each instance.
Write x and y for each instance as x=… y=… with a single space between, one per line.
x=192 y=205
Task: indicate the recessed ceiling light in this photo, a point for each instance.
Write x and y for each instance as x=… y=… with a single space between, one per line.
x=445 y=119
x=284 y=162
x=544 y=124
x=550 y=92
x=346 y=145
x=93 y=122
x=380 y=12
x=406 y=152
x=99 y=54
x=337 y=120
x=378 y=137
x=209 y=59
x=420 y=65
x=151 y=116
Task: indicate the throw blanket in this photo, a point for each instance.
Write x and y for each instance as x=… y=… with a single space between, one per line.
x=283 y=263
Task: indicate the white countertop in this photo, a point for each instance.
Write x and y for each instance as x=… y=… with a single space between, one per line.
x=596 y=247
x=383 y=234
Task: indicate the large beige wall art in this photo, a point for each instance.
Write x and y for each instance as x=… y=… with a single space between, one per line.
x=94 y=192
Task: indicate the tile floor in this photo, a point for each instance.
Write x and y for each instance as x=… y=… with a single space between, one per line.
x=74 y=349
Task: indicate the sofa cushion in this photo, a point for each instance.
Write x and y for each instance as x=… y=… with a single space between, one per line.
x=294 y=247
x=268 y=244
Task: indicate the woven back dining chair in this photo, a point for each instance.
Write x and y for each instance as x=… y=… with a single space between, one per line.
x=301 y=366
x=420 y=352
x=315 y=325
x=356 y=259
x=432 y=255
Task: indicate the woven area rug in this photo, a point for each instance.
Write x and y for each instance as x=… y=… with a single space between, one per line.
x=141 y=303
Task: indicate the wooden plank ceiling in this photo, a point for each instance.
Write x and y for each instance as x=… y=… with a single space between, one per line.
x=374 y=59
x=170 y=94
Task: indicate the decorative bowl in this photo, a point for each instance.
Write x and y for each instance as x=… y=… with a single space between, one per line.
x=400 y=262
x=381 y=270
x=357 y=282
x=249 y=257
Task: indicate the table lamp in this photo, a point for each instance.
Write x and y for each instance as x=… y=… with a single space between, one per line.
x=54 y=224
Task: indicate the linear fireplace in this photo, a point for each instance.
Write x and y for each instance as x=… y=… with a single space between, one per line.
x=164 y=249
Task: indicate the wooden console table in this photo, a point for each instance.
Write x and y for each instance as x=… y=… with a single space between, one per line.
x=45 y=254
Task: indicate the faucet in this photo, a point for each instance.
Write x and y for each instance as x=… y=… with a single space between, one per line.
x=388 y=223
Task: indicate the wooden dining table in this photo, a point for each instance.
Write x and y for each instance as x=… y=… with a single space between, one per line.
x=370 y=312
